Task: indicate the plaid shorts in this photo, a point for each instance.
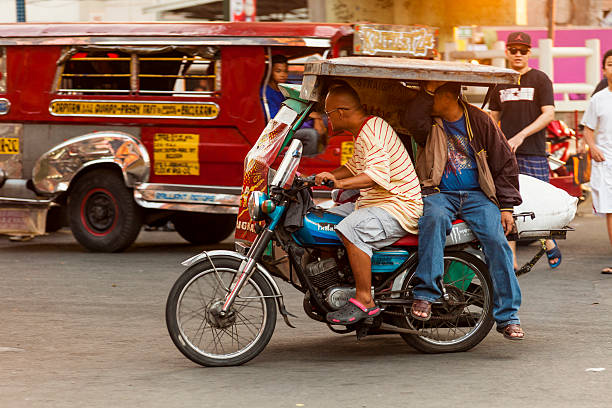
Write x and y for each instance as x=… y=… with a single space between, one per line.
x=534 y=166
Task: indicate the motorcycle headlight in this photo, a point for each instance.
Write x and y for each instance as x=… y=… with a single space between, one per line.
x=254 y=205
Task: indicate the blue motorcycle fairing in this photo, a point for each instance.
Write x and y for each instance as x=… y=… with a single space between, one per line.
x=318 y=229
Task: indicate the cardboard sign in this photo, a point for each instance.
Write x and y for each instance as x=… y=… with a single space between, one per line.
x=176 y=154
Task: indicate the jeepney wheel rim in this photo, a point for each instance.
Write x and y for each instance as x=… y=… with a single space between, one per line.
x=99 y=211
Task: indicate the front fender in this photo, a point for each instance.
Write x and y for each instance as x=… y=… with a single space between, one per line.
x=218 y=253
x=231 y=254
x=55 y=169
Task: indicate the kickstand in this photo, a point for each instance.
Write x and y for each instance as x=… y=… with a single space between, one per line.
x=527 y=267
x=363 y=329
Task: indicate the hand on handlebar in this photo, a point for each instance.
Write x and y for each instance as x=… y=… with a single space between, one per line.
x=326 y=179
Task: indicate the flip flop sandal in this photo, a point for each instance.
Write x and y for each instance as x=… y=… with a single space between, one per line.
x=509 y=329
x=552 y=254
x=421 y=306
x=607 y=271
x=352 y=312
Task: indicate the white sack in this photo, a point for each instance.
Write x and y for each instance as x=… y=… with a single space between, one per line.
x=553 y=208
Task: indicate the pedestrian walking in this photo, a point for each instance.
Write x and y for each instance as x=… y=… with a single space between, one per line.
x=597 y=121
x=524 y=111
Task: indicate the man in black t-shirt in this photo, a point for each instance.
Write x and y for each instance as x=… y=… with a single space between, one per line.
x=524 y=111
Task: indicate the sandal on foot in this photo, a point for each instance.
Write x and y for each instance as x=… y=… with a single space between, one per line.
x=421 y=306
x=352 y=312
x=510 y=329
x=607 y=271
x=552 y=254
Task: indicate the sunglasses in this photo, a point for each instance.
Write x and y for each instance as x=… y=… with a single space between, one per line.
x=333 y=110
x=514 y=50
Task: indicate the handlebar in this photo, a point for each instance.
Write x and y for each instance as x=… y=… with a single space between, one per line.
x=310 y=181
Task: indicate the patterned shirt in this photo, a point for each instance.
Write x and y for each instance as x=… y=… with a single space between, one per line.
x=380 y=154
x=461 y=171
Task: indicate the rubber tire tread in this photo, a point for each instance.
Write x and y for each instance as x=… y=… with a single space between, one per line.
x=416 y=342
x=172 y=324
x=204 y=229
x=129 y=220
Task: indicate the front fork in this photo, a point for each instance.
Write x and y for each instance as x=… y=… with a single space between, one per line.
x=247 y=268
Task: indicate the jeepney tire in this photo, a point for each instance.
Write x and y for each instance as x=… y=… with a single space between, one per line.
x=103 y=214
x=204 y=228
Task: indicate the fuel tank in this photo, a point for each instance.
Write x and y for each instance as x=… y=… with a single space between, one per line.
x=318 y=229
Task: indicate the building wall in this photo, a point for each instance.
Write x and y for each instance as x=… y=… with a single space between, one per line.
x=444 y=14
x=83 y=10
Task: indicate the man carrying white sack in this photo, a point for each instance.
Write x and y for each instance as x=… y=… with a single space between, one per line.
x=597 y=123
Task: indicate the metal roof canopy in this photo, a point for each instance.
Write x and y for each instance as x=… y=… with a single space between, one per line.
x=161 y=33
x=402 y=69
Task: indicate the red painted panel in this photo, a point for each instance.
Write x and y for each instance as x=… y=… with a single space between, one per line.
x=221 y=153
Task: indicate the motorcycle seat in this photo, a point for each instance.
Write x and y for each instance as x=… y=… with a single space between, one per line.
x=412 y=240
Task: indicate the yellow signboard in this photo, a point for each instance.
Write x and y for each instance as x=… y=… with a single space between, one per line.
x=177 y=110
x=9 y=145
x=346 y=151
x=176 y=154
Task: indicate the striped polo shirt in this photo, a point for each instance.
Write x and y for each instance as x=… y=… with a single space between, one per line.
x=380 y=154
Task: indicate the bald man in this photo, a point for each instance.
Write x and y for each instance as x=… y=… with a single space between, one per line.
x=389 y=204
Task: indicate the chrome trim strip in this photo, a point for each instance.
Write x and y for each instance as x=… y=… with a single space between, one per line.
x=93 y=115
x=237 y=190
x=201 y=208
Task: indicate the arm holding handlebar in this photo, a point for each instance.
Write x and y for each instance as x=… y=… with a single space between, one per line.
x=343 y=178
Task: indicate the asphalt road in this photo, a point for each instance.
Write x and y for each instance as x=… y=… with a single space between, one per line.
x=80 y=329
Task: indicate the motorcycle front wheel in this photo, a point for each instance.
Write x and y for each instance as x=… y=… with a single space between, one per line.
x=465 y=318
x=200 y=332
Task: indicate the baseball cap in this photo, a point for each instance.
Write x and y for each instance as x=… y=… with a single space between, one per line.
x=520 y=38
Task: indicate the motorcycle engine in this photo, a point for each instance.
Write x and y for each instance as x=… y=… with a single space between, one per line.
x=338 y=296
x=324 y=273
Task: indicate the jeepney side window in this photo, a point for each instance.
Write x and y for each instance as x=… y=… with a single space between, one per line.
x=178 y=74
x=2 y=70
x=95 y=73
x=154 y=73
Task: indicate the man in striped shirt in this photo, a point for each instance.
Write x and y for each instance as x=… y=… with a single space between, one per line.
x=390 y=201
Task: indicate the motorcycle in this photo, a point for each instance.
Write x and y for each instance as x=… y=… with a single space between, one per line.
x=569 y=163
x=222 y=310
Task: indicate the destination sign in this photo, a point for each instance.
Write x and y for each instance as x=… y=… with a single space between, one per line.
x=409 y=41
x=176 y=154
x=176 y=110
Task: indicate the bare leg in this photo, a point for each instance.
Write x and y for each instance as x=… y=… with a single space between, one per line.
x=512 y=245
x=609 y=222
x=361 y=265
x=550 y=244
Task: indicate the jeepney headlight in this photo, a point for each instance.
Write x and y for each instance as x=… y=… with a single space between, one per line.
x=254 y=205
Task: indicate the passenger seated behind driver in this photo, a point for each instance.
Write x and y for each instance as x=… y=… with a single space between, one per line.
x=312 y=130
x=467 y=170
x=390 y=201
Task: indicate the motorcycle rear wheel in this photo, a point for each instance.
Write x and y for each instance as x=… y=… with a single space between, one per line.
x=462 y=322
x=201 y=334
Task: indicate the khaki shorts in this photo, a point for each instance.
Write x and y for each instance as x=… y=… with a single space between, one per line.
x=369 y=228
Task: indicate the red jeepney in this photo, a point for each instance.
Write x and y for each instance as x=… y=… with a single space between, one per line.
x=119 y=125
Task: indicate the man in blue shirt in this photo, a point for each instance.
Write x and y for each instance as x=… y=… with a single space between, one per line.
x=311 y=130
